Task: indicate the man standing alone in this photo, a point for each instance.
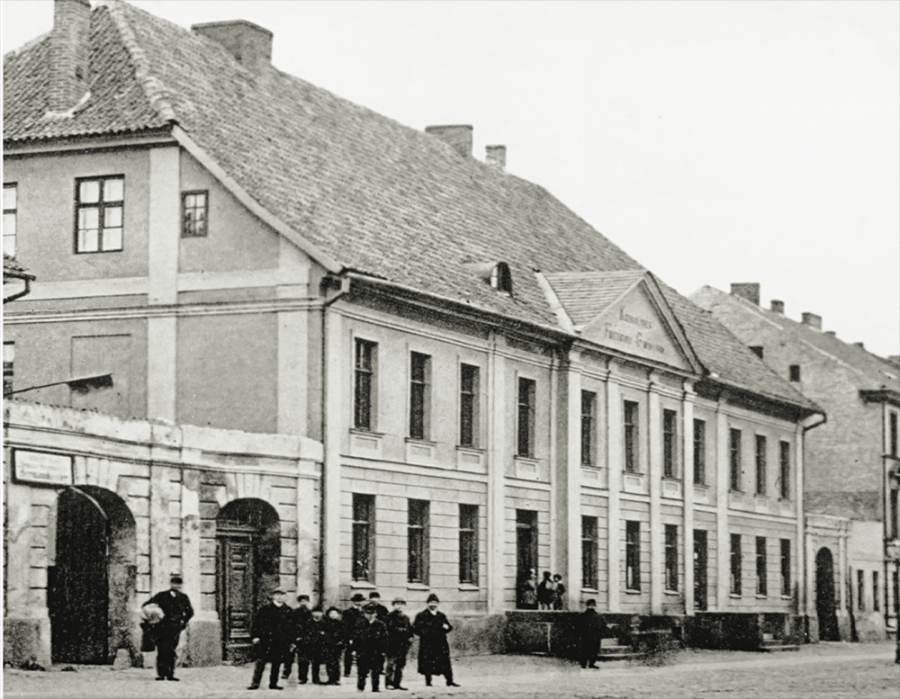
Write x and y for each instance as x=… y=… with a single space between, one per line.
x=432 y=628
x=593 y=629
x=177 y=612
x=273 y=636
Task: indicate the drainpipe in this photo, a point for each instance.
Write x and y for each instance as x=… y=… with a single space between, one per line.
x=804 y=564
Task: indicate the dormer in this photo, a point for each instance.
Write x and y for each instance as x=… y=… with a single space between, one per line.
x=497 y=274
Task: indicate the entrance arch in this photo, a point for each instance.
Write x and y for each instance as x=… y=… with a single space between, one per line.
x=248 y=560
x=825 y=606
x=91 y=585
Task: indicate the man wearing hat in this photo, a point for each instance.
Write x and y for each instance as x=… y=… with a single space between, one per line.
x=432 y=628
x=303 y=640
x=177 y=612
x=400 y=635
x=371 y=643
x=593 y=629
x=351 y=617
x=382 y=610
x=273 y=636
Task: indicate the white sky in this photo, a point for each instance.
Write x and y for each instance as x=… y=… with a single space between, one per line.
x=714 y=141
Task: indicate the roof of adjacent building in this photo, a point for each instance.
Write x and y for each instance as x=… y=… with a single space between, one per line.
x=380 y=198
x=13 y=270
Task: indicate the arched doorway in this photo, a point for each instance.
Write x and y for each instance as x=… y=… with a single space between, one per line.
x=91 y=582
x=825 y=606
x=248 y=558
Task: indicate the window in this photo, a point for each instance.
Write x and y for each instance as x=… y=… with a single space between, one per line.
x=364 y=393
x=99 y=206
x=417 y=538
x=736 y=564
x=10 y=209
x=876 y=598
x=588 y=406
x=468 y=405
x=631 y=436
x=526 y=417
x=795 y=372
x=892 y=493
x=757 y=350
x=363 y=537
x=501 y=278
x=895 y=586
x=785 y=567
x=785 y=467
x=735 y=454
x=9 y=356
x=701 y=554
x=762 y=585
x=761 y=475
x=860 y=590
x=671 y=558
x=419 y=394
x=632 y=555
x=670 y=444
x=699 y=452
x=468 y=544
x=589 y=542
x=194 y=214
x=893 y=431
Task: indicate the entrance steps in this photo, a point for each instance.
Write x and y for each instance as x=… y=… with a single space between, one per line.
x=770 y=644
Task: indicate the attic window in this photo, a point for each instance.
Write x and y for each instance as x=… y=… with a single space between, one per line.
x=757 y=350
x=501 y=278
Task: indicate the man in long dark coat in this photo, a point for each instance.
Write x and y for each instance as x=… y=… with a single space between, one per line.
x=593 y=629
x=371 y=644
x=400 y=635
x=273 y=637
x=351 y=617
x=432 y=628
x=177 y=611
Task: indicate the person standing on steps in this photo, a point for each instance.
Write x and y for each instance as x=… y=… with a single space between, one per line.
x=432 y=627
x=273 y=638
x=546 y=592
x=177 y=612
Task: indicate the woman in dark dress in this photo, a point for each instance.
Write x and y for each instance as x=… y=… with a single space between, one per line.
x=432 y=627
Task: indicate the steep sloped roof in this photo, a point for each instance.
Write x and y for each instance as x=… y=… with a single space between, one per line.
x=381 y=198
x=585 y=295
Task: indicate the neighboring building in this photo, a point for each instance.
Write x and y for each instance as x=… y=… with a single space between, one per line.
x=497 y=387
x=853 y=464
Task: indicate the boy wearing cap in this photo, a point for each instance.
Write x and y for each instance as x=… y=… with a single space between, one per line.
x=371 y=643
x=302 y=620
x=177 y=611
x=400 y=635
x=382 y=610
x=351 y=617
x=432 y=628
x=273 y=636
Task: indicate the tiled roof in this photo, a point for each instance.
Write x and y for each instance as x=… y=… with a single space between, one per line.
x=585 y=295
x=381 y=198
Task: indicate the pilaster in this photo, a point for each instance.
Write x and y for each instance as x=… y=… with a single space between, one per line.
x=163 y=224
x=567 y=500
x=615 y=437
x=654 y=476
x=805 y=597
x=335 y=416
x=687 y=474
x=496 y=460
x=162 y=367
x=723 y=546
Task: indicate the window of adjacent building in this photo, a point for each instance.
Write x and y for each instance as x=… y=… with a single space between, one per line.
x=99 y=210
x=468 y=544
x=757 y=350
x=632 y=555
x=735 y=459
x=786 y=567
x=526 y=417
x=736 y=564
x=419 y=394
x=701 y=556
x=468 y=405
x=364 y=389
x=9 y=357
x=417 y=538
x=892 y=509
x=893 y=431
x=631 y=436
x=761 y=470
x=589 y=544
x=860 y=590
x=794 y=372
x=363 y=537
x=785 y=467
x=672 y=558
x=762 y=584
x=10 y=210
x=588 y=408
x=895 y=586
x=876 y=598
x=670 y=443
x=194 y=214
x=699 y=452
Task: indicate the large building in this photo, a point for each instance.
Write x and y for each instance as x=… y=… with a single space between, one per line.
x=497 y=388
x=852 y=462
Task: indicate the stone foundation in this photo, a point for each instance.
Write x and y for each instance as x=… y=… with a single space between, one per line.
x=26 y=639
x=204 y=643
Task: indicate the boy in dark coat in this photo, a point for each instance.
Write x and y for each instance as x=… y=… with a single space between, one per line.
x=371 y=643
x=400 y=635
x=382 y=610
x=273 y=637
x=432 y=628
x=351 y=618
x=330 y=637
x=593 y=629
x=177 y=612
x=302 y=620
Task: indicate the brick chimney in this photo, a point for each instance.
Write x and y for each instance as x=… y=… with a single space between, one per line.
x=458 y=136
x=495 y=156
x=747 y=290
x=778 y=306
x=812 y=320
x=250 y=44
x=70 y=53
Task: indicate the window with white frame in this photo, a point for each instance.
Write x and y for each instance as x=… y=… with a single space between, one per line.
x=99 y=214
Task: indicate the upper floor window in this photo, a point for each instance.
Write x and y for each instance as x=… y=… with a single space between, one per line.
x=9 y=356
x=99 y=208
x=785 y=467
x=631 y=436
x=194 y=214
x=670 y=444
x=10 y=209
x=699 y=452
x=468 y=405
x=893 y=434
x=735 y=459
x=526 y=417
x=419 y=379
x=501 y=278
x=364 y=388
x=794 y=372
x=761 y=470
x=588 y=407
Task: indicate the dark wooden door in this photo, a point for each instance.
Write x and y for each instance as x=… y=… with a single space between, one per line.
x=236 y=585
x=78 y=585
x=825 y=596
x=701 y=554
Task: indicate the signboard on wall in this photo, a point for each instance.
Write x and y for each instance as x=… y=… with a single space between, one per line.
x=42 y=467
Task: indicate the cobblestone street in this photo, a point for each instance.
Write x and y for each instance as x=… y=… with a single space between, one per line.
x=828 y=670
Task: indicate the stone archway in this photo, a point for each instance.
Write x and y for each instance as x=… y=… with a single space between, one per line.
x=91 y=584
x=825 y=596
x=248 y=560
